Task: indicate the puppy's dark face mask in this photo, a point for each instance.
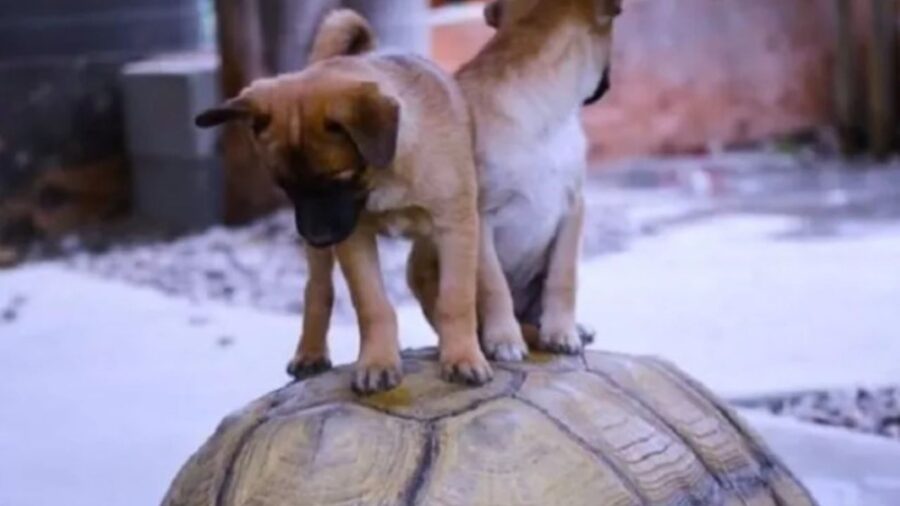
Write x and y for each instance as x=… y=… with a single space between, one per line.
x=321 y=140
x=326 y=212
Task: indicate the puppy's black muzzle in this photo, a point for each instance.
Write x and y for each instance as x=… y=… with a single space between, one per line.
x=326 y=214
x=602 y=88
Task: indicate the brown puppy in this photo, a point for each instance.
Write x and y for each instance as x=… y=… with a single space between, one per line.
x=368 y=143
x=525 y=90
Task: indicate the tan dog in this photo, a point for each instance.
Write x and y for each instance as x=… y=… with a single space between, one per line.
x=526 y=89
x=367 y=143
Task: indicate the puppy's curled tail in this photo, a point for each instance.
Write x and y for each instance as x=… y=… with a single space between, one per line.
x=343 y=33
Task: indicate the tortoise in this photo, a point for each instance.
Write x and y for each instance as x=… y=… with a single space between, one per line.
x=595 y=429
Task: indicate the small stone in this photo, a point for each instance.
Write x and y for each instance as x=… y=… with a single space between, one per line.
x=9 y=315
x=225 y=342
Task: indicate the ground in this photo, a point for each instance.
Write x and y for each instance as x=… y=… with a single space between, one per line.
x=783 y=282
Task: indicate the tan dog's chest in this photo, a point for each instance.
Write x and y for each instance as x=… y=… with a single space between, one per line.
x=410 y=222
x=392 y=213
x=527 y=191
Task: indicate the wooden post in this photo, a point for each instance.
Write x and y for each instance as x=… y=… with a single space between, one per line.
x=248 y=191
x=289 y=27
x=883 y=126
x=849 y=109
x=240 y=44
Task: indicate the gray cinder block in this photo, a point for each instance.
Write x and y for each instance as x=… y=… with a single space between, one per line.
x=162 y=95
x=185 y=193
x=177 y=177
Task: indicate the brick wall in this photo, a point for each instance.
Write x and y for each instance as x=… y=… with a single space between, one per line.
x=688 y=74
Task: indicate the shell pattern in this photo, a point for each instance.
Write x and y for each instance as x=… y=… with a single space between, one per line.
x=599 y=429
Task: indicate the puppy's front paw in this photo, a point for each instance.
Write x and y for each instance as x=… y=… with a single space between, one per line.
x=560 y=338
x=373 y=378
x=504 y=343
x=469 y=368
x=302 y=367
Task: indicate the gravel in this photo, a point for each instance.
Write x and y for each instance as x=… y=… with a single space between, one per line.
x=872 y=411
x=11 y=308
x=261 y=265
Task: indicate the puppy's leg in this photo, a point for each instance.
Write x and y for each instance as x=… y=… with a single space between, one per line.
x=422 y=276
x=501 y=335
x=378 y=367
x=559 y=332
x=311 y=356
x=461 y=358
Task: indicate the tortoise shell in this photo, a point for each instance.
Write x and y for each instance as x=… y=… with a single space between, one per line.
x=599 y=429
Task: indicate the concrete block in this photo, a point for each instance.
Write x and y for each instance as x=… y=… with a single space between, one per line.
x=162 y=95
x=185 y=193
x=177 y=177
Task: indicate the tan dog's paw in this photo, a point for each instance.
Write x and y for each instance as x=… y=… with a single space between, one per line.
x=560 y=339
x=302 y=367
x=504 y=344
x=374 y=378
x=468 y=369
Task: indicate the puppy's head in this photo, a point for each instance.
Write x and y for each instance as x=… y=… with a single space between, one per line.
x=321 y=139
x=596 y=16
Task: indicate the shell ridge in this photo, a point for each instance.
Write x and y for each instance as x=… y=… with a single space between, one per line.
x=423 y=470
x=232 y=459
x=771 y=466
x=713 y=495
x=627 y=482
x=510 y=391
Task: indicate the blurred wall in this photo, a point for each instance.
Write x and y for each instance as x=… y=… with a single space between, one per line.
x=694 y=73
x=59 y=62
x=690 y=74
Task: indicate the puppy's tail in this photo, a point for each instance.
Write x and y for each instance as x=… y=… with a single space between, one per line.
x=342 y=33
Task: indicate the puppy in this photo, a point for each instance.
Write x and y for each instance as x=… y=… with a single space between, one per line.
x=364 y=143
x=547 y=59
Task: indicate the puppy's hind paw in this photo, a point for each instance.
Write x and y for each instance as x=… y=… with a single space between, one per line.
x=301 y=368
x=505 y=351
x=504 y=343
x=561 y=341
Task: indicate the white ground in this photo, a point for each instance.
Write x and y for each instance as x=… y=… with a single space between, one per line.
x=108 y=388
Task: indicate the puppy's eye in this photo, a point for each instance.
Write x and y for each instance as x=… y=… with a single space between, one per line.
x=333 y=127
x=260 y=124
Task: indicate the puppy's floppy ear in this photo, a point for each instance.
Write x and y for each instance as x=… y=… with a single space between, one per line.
x=493 y=13
x=372 y=120
x=609 y=8
x=235 y=109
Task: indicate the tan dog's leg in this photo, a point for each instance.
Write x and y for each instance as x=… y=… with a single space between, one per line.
x=378 y=367
x=455 y=316
x=422 y=276
x=311 y=357
x=501 y=335
x=559 y=332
